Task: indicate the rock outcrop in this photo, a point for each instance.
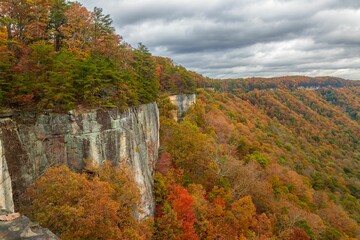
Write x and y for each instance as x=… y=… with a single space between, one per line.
x=6 y=198
x=20 y=227
x=30 y=143
x=183 y=103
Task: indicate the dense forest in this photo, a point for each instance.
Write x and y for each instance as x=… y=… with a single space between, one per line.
x=257 y=158
x=287 y=82
x=58 y=55
x=262 y=164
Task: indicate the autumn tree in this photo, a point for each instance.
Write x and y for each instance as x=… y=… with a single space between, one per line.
x=74 y=207
x=183 y=206
x=164 y=163
x=77 y=29
x=15 y=16
x=193 y=155
x=126 y=194
x=37 y=28
x=79 y=206
x=166 y=224
x=175 y=214
x=244 y=211
x=6 y=59
x=175 y=78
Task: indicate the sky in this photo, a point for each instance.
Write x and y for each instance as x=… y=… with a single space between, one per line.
x=245 y=38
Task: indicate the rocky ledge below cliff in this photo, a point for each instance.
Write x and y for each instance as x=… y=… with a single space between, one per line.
x=16 y=227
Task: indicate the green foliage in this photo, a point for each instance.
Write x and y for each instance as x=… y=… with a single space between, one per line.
x=145 y=81
x=75 y=58
x=305 y=226
x=193 y=154
x=167 y=226
x=165 y=106
x=61 y=81
x=161 y=188
x=331 y=234
x=72 y=65
x=243 y=146
x=287 y=82
x=102 y=23
x=56 y=20
x=257 y=156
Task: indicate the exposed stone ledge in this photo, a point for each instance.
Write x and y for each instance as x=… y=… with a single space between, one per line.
x=16 y=227
x=183 y=103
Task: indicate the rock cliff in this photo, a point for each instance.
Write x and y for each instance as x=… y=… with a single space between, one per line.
x=182 y=102
x=6 y=198
x=30 y=143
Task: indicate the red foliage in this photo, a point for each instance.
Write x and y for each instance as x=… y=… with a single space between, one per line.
x=183 y=205
x=296 y=234
x=26 y=100
x=164 y=163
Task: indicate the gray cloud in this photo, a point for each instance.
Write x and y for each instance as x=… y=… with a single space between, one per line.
x=244 y=38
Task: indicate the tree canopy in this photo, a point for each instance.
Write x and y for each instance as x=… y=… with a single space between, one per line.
x=57 y=55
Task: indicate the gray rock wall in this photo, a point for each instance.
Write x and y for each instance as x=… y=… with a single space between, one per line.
x=6 y=198
x=183 y=103
x=32 y=143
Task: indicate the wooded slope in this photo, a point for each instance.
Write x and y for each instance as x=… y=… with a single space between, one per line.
x=265 y=163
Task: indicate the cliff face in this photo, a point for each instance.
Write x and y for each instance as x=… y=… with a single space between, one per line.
x=31 y=143
x=6 y=198
x=182 y=102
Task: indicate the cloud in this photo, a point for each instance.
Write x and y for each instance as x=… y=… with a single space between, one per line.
x=244 y=38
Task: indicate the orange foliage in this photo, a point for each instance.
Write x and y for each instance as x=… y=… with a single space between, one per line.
x=77 y=30
x=295 y=234
x=182 y=204
x=245 y=212
x=338 y=218
x=74 y=207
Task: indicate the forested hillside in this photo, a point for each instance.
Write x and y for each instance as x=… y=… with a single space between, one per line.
x=262 y=164
x=56 y=54
x=286 y=82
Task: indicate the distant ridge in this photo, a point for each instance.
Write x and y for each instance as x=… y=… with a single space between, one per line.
x=285 y=82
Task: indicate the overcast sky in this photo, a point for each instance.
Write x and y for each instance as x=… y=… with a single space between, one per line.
x=245 y=38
